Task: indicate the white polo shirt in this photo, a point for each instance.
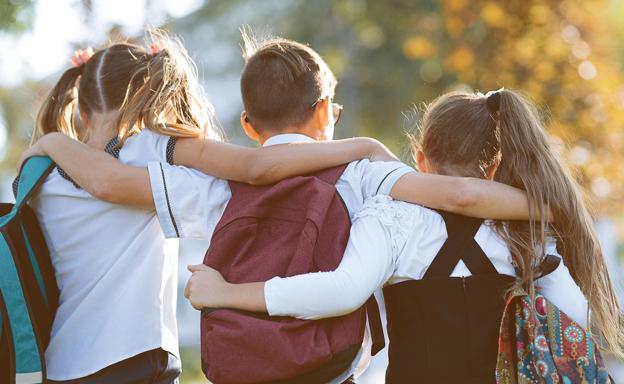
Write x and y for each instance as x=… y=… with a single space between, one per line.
x=116 y=272
x=190 y=204
x=393 y=241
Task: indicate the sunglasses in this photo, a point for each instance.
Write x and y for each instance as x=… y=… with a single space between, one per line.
x=336 y=110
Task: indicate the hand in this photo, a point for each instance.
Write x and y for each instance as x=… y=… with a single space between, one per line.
x=205 y=287
x=380 y=152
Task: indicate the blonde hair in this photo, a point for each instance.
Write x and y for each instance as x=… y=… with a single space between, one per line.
x=158 y=90
x=460 y=130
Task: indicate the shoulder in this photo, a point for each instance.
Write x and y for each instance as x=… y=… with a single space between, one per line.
x=365 y=165
x=146 y=146
x=400 y=219
x=390 y=212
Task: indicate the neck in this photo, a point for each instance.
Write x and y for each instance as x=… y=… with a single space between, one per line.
x=102 y=128
x=456 y=171
x=307 y=130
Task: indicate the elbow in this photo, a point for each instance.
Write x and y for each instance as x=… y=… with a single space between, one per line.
x=259 y=173
x=464 y=196
x=349 y=303
x=102 y=190
x=106 y=187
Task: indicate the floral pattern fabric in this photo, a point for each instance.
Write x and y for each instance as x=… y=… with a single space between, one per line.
x=541 y=344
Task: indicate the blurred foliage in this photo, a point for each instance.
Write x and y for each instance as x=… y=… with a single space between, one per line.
x=390 y=55
x=191 y=367
x=14 y=14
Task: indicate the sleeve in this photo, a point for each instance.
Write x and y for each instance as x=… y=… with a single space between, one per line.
x=560 y=289
x=379 y=177
x=189 y=203
x=365 y=267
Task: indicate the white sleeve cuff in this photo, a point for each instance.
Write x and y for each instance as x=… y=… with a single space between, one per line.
x=392 y=177
x=271 y=292
x=162 y=200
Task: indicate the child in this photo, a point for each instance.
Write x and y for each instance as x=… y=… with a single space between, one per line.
x=287 y=92
x=445 y=276
x=115 y=269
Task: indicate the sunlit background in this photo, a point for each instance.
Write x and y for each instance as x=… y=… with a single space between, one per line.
x=389 y=56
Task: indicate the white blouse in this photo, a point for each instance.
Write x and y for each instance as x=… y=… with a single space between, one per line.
x=393 y=241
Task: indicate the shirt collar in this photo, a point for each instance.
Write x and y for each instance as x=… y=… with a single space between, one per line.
x=286 y=138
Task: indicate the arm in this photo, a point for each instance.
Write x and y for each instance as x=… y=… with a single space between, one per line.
x=366 y=266
x=107 y=179
x=464 y=195
x=95 y=171
x=560 y=289
x=266 y=165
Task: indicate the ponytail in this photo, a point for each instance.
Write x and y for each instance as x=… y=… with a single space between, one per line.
x=529 y=163
x=156 y=89
x=57 y=112
x=164 y=95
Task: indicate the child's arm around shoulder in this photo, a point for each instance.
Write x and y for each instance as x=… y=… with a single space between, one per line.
x=267 y=165
x=107 y=179
x=97 y=172
x=365 y=267
x=464 y=195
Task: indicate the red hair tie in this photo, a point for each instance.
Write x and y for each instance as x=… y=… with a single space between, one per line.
x=155 y=48
x=81 y=56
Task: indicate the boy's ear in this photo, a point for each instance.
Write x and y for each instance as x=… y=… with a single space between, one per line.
x=248 y=128
x=321 y=112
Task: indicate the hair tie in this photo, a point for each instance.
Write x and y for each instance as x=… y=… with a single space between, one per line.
x=492 y=100
x=155 y=48
x=81 y=56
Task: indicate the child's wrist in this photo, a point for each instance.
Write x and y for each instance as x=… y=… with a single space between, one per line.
x=228 y=295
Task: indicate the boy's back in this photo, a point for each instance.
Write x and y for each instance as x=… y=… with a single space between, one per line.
x=180 y=197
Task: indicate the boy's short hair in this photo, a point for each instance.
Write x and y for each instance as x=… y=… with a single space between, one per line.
x=281 y=81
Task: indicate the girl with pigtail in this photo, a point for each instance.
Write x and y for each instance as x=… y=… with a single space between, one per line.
x=445 y=277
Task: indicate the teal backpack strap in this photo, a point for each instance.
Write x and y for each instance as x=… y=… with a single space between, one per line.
x=32 y=175
x=19 y=334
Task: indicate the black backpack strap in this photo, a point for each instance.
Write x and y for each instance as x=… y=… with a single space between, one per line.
x=460 y=245
x=376 y=327
x=548 y=266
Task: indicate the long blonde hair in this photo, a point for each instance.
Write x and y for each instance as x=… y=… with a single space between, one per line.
x=460 y=130
x=154 y=88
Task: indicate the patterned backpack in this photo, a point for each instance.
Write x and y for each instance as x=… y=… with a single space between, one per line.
x=545 y=345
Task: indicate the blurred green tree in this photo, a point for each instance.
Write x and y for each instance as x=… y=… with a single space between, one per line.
x=15 y=15
x=391 y=55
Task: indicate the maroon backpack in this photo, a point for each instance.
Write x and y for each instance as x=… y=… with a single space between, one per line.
x=296 y=226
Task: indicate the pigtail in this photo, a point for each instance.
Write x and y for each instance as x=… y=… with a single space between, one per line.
x=57 y=111
x=164 y=95
x=529 y=163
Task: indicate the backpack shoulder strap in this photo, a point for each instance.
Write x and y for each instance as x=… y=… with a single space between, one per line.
x=33 y=173
x=460 y=245
x=331 y=175
x=548 y=266
x=375 y=324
